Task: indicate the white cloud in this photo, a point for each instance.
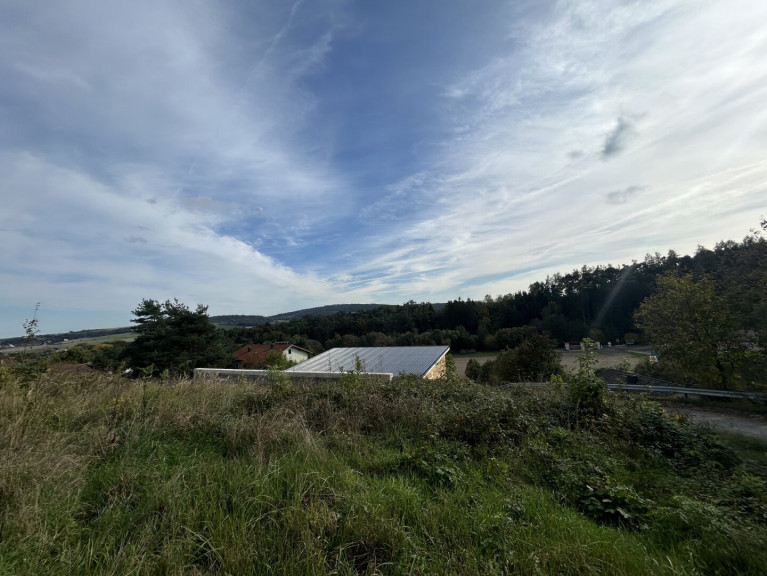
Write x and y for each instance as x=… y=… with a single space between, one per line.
x=524 y=186
x=84 y=245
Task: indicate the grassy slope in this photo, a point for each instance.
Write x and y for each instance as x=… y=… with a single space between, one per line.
x=109 y=476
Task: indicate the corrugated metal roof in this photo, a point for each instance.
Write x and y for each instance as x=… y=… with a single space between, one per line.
x=391 y=359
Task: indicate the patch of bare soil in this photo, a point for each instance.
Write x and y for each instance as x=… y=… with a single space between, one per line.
x=747 y=424
x=606 y=357
x=613 y=357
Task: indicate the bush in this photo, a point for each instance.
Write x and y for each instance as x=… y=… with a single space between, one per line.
x=588 y=393
x=473 y=370
x=534 y=360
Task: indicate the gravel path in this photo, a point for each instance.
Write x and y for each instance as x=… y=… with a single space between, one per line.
x=748 y=425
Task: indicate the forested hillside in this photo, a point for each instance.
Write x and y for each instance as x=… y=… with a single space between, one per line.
x=255 y=320
x=597 y=302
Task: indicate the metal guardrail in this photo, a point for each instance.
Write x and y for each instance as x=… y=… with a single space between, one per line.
x=662 y=389
x=682 y=390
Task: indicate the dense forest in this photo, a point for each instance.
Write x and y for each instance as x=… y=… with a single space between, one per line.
x=597 y=302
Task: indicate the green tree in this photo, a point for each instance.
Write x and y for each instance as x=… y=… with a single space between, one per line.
x=534 y=360
x=277 y=361
x=473 y=370
x=689 y=325
x=172 y=337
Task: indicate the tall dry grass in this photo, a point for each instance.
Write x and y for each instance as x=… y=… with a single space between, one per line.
x=103 y=475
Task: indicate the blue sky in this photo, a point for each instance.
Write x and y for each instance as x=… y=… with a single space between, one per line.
x=262 y=157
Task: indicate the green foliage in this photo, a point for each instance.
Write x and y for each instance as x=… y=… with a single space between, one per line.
x=353 y=378
x=172 y=337
x=7 y=376
x=30 y=369
x=277 y=361
x=473 y=370
x=450 y=369
x=689 y=324
x=30 y=331
x=533 y=360
x=80 y=354
x=612 y=504
x=588 y=393
x=109 y=356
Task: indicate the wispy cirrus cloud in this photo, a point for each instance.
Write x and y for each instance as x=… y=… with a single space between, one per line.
x=512 y=195
x=261 y=157
x=145 y=156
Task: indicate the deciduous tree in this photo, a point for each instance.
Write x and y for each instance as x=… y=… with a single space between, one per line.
x=689 y=325
x=534 y=360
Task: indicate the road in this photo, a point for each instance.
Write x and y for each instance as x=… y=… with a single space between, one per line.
x=749 y=425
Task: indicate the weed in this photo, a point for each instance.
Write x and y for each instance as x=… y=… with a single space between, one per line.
x=587 y=392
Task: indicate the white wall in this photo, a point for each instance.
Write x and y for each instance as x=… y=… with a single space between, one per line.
x=295 y=355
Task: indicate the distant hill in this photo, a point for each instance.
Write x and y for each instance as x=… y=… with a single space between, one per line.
x=256 y=320
x=223 y=321
x=68 y=336
x=230 y=320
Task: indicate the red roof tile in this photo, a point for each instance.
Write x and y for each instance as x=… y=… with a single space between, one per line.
x=256 y=354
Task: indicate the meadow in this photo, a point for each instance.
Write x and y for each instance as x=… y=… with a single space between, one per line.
x=104 y=475
x=616 y=357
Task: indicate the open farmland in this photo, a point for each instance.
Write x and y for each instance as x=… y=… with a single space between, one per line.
x=63 y=345
x=606 y=358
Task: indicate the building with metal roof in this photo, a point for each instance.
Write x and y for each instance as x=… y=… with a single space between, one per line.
x=425 y=361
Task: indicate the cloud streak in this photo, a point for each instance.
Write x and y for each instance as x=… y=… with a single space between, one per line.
x=511 y=194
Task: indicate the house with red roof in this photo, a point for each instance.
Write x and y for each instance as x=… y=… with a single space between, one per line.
x=255 y=355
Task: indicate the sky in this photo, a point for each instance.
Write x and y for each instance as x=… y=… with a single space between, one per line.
x=265 y=156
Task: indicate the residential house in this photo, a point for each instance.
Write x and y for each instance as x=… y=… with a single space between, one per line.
x=255 y=355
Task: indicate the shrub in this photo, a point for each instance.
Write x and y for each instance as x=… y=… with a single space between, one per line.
x=473 y=370
x=534 y=360
x=588 y=393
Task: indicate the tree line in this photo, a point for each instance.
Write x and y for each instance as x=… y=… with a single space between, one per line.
x=705 y=313
x=594 y=301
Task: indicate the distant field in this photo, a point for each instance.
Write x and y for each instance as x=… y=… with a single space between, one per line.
x=124 y=337
x=606 y=358
x=463 y=359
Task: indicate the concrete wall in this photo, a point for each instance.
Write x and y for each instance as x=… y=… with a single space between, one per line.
x=436 y=371
x=295 y=355
x=263 y=376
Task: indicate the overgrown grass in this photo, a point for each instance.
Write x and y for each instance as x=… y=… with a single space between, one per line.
x=101 y=475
